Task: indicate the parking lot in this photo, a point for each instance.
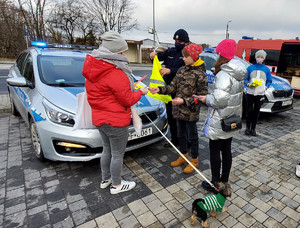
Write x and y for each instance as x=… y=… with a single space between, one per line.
x=61 y=194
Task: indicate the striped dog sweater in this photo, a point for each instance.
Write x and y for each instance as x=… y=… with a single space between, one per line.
x=212 y=203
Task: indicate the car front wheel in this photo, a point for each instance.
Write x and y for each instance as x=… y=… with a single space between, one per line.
x=36 y=142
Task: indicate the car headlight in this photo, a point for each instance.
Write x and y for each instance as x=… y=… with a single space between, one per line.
x=161 y=107
x=57 y=115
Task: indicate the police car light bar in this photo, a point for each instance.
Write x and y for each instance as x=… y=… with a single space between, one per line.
x=41 y=44
x=249 y=38
x=211 y=50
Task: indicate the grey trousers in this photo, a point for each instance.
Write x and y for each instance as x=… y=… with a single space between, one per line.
x=114 y=144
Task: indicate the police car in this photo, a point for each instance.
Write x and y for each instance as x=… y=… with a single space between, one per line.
x=43 y=84
x=278 y=97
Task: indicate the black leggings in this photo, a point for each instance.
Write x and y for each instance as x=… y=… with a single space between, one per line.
x=253 y=104
x=215 y=147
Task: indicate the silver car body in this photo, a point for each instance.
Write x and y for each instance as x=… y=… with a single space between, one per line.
x=40 y=103
x=278 y=97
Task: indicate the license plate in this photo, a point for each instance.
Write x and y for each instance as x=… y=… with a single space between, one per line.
x=285 y=103
x=144 y=132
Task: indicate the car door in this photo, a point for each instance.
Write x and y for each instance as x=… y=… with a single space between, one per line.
x=16 y=93
x=26 y=71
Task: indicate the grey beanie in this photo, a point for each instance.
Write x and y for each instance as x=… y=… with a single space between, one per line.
x=261 y=53
x=114 y=42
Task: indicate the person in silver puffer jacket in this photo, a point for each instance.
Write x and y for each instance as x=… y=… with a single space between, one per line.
x=226 y=99
x=223 y=102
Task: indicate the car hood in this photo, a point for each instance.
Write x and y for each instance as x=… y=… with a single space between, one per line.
x=65 y=98
x=279 y=83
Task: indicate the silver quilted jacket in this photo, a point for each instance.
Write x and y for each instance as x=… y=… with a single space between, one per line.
x=226 y=99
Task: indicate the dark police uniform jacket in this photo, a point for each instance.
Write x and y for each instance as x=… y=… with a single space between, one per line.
x=173 y=60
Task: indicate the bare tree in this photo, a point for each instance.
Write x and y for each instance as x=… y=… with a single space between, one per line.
x=70 y=13
x=112 y=14
x=53 y=25
x=88 y=31
x=77 y=21
x=69 y=20
x=33 y=13
x=12 y=40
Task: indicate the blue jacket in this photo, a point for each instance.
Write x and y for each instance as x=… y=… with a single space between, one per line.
x=173 y=60
x=258 y=71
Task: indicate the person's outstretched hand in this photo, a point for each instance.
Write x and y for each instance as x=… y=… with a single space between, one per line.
x=144 y=90
x=164 y=71
x=200 y=98
x=154 y=90
x=153 y=54
x=177 y=101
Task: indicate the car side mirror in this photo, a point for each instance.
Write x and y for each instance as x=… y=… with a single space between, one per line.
x=19 y=82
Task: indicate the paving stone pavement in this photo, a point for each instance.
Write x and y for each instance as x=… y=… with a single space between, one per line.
x=60 y=194
x=4 y=103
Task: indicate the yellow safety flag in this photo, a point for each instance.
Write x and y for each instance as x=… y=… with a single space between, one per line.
x=157 y=80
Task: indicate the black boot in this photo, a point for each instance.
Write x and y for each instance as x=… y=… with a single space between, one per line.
x=247 y=131
x=208 y=187
x=252 y=131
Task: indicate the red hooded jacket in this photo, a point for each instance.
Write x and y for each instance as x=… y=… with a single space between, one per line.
x=109 y=94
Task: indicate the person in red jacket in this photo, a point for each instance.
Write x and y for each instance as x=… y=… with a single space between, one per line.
x=111 y=95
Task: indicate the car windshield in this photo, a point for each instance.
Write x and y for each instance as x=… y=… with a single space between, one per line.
x=209 y=61
x=61 y=70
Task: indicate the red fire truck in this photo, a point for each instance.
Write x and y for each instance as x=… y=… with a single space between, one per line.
x=283 y=57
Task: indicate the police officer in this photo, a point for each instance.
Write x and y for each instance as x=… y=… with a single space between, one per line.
x=172 y=60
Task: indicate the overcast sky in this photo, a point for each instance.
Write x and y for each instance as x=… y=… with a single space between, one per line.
x=206 y=20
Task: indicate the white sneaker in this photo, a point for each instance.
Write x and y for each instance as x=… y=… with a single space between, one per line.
x=298 y=170
x=125 y=186
x=105 y=183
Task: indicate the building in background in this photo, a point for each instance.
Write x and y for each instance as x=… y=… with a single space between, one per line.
x=134 y=52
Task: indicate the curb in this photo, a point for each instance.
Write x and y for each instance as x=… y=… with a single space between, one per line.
x=4 y=103
x=5 y=110
x=7 y=62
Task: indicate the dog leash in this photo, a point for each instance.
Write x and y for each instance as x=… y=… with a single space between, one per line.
x=178 y=151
